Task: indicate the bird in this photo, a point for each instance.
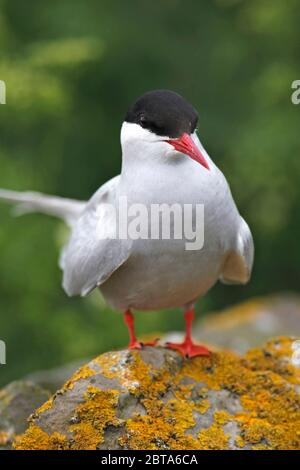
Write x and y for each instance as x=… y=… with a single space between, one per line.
x=163 y=162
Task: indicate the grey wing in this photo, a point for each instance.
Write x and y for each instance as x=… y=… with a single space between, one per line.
x=239 y=260
x=94 y=252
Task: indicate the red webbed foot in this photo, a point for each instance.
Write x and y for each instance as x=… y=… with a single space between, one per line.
x=134 y=343
x=189 y=349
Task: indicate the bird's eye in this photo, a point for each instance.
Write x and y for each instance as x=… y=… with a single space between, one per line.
x=143 y=121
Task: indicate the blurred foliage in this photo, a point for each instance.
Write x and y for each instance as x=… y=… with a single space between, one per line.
x=71 y=69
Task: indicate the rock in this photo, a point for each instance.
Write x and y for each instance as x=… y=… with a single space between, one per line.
x=154 y=399
x=17 y=401
x=251 y=324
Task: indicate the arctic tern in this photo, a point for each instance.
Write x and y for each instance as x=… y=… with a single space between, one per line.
x=163 y=162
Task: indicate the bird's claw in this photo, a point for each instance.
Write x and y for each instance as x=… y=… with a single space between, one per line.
x=135 y=345
x=189 y=349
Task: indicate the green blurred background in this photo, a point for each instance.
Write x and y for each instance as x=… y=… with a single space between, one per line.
x=71 y=69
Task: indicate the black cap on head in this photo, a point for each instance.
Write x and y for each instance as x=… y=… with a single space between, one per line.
x=163 y=112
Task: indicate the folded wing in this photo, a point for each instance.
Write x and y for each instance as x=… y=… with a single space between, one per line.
x=94 y=251
x=239 y=260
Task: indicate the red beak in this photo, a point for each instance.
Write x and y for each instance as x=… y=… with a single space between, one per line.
x=186 y=145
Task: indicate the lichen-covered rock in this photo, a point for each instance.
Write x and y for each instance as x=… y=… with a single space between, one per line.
x=17 y=401
x=154 y=399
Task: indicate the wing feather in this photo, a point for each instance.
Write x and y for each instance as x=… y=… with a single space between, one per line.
x=67 y=209
x=94 y=252
x=239 y=260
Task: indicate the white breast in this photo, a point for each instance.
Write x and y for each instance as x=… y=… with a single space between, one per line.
x=162 y=273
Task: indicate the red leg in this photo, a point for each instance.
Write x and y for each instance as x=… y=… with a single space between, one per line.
x=129 y=320
x=187 y=348
x=133 y=342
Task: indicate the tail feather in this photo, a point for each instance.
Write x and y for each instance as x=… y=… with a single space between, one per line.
x=67 y=209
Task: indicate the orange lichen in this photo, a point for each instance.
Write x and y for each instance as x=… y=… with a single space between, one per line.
x=221 y=370
x=46 y=406
x=275 y=356
x=86 y=437
x=239 y=442
x=83 y=373
x=94 y=415
x=202 y=407
x=213 y=438
x=172 y=399
x=160 y=428
x=164 y=427
x=37 y=439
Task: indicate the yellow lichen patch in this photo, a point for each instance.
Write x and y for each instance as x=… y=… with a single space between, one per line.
x=239 y=442
x=213 y=438
x=152 y=382
x=164 y=427
x=272 y=406
x=202 y=407
x=93 y=415
x=221 y=370
x=87 y=437
x=260 y=447
x=46 y=406
x=110 y=365
x=259 y=432
x=37 y=439
x=275 y=356
x=136 y=376
x=145 y=432
x=82 y=373
x=267 y=404
x=222 y=417
x=281 y=436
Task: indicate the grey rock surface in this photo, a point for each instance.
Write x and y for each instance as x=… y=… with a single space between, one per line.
x=17 y=401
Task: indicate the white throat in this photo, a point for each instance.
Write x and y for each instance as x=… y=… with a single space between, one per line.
x=141 y=146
